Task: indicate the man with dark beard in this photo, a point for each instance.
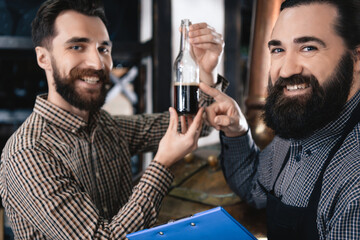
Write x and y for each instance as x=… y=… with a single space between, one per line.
x=65 y=173
x=308 y=176
x=299 y=117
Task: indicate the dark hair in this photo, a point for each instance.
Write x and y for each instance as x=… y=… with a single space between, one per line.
x=347 y=25
x=42 y=27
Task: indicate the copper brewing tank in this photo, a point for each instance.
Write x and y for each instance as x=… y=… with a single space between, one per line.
x=265 y=13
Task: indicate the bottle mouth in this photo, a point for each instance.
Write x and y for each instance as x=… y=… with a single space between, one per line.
x=186 y=22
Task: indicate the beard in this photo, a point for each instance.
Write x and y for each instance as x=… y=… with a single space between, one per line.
x=299 y=117
x=92 y=100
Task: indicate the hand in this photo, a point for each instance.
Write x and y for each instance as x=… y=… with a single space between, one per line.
x=207 y=47
x=174 y=145
x=224 y=114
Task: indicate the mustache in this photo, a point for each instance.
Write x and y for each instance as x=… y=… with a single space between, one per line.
x=293 y=80
x=77 y=73
x=281 y=82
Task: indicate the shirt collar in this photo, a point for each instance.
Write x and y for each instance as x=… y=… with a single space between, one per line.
x=58 y=116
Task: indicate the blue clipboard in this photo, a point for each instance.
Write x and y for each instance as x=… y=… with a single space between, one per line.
x=213 y=224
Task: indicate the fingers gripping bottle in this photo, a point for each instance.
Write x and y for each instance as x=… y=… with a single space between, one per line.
x=186 y=76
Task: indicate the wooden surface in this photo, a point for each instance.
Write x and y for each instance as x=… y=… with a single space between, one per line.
x=203 y=187
x=198 y=187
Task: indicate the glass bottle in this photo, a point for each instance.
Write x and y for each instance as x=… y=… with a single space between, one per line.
x=186 y=76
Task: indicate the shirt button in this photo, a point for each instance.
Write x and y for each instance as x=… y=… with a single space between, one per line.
x=97 y=174
x=105 y=209
x=73 y=130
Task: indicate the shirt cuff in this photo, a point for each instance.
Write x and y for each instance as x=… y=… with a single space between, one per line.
x=157 y=177
x=236 y=145
x=221 y=83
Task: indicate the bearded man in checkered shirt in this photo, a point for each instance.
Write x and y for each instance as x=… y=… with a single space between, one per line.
x=308 y=176
x=65 y=173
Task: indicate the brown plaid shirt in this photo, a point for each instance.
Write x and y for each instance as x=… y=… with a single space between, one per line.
x=63 y=178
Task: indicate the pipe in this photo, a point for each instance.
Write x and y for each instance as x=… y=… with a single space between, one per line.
x=265 y=14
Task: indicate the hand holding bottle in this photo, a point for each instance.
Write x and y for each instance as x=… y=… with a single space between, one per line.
x=207 y=46
x=174 y=145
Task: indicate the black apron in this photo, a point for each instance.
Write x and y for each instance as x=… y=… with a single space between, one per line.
x=289 y=222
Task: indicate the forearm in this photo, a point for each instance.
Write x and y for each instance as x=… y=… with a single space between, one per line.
x=143 y=132
x=144 y=204
x=54 y=205
x=240 y=160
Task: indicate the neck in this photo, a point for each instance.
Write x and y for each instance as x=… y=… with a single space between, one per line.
x=57 y=100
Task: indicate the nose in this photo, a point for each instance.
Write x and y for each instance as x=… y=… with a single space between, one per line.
x=94 y=59
x=290 y=66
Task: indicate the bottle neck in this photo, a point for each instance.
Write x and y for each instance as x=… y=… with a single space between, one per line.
x=184 y=42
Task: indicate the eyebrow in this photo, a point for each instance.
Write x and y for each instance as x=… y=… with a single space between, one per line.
x=298 y=40
x=86 y=40
x=78 y=40
x=309 y=39
x=107 y=43
x=274 y=43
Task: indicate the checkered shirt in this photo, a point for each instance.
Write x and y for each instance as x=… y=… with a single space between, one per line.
x=63 y=178
x=251 y=173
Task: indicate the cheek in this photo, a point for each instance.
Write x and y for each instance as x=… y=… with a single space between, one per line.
x=323 y=65
x=108 y=62
x=63 y=65
x=320 y=71
x=273 y=75
x=276 y=63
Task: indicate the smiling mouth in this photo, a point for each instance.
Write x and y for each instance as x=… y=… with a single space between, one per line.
x=91 y=80
x=297 y=87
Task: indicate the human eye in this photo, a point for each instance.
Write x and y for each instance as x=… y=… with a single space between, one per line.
x=104 y=50
x=276 y=50
x=76 y=47
x=309 y=48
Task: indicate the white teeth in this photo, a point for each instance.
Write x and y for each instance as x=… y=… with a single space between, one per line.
x=296 y=87
x=91 y=80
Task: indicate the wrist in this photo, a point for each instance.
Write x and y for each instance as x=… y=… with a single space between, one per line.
x=209 y=79
x=232 y=134
x=162 y=160
x=161 y=164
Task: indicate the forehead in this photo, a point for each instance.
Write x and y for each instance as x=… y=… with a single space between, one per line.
x=73 y=24
x=306 y=20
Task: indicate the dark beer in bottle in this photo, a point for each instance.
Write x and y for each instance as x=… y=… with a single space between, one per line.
x=186 y=76
x=186 y=97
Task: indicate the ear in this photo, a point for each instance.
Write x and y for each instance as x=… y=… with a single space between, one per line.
x=43 y=58
x=357 y=60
